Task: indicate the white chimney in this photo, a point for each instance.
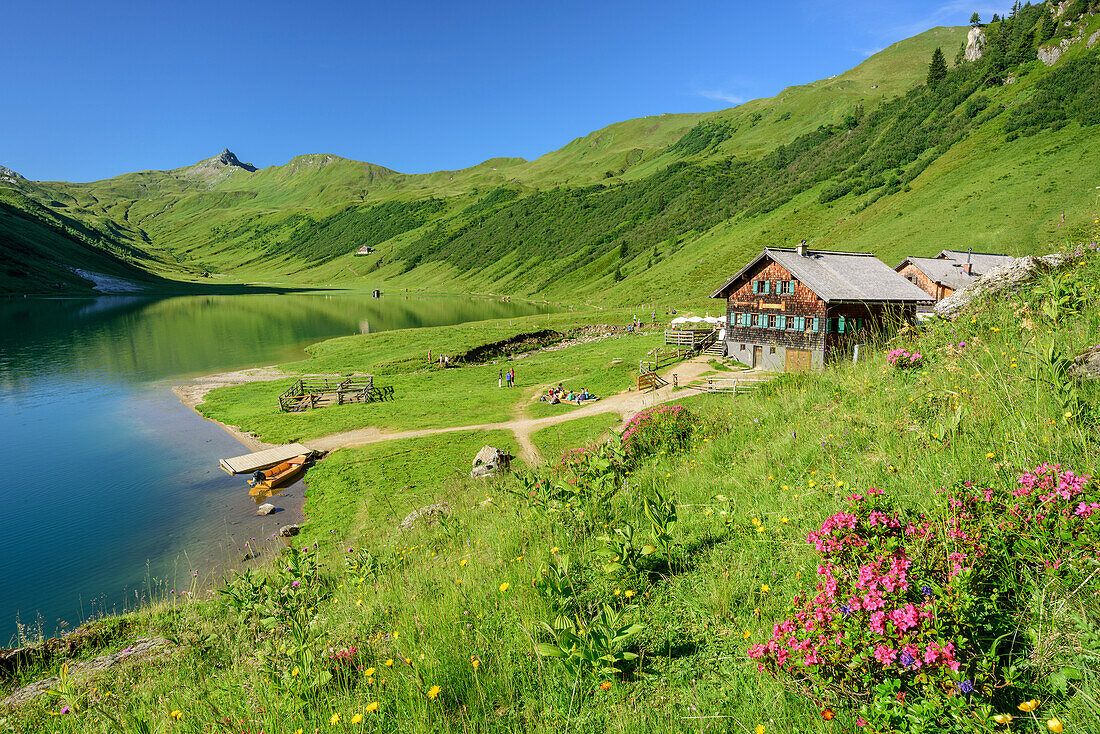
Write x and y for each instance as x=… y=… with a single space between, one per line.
x=801 y=249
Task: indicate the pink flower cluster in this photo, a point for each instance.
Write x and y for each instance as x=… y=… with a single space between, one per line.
x=903 y=359
x=654 y=428
x=867 y=611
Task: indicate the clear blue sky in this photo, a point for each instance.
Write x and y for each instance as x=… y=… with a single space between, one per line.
x=89 y=90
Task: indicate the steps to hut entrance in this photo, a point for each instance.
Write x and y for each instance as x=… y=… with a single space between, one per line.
x=318 y=392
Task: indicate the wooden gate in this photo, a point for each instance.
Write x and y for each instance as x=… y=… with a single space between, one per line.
x=798 y=360
x=758 y=356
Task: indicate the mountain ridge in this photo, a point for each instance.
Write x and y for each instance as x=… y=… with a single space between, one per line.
x=608 y=212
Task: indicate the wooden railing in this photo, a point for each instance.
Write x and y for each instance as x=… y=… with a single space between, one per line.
x=650 y=381
x=662 y=357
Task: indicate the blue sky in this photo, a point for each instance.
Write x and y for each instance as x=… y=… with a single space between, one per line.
x=90 y=90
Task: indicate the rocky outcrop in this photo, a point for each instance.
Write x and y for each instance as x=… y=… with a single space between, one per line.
x=1086 y=365
x=218 y=168
x=1093 y=39
x=1004 y=278
x=429 y=515
x=1049 y=55
x=6 y=174
x=144 y=648
x=975 y=42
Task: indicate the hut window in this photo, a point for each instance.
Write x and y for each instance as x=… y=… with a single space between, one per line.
x=742 y=347
x=771 y=322
x=755 y=320
x=771 y=351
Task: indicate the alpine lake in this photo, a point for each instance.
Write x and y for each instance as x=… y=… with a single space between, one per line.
x=113 y=493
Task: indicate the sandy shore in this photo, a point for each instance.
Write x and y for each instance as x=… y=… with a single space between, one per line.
x=193 y=392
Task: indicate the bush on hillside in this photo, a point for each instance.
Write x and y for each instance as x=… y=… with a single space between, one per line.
x=921 y=621
x=664 y=428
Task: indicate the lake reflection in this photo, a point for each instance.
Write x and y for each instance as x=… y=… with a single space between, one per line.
x=111 y=482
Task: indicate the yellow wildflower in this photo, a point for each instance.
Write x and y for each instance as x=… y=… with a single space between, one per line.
x=370 y=671
x=747 y=634
x=765 y=588
x=433 y=692
x=294 y=672
x=1003 y=718
x=357 y=718
x=760 y=729
x=335 y=719
x=1029 y=705
x=1054 y=725
x=990 y=455
x=176 y=714
x=504 y=586
x=388 y=663
x=372 y=707
x=463 y=562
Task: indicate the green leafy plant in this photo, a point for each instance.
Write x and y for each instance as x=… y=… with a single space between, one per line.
x=661 y=513
x=592 y=647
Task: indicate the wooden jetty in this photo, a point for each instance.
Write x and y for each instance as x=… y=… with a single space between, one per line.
x=317 y=392
x=249 y=463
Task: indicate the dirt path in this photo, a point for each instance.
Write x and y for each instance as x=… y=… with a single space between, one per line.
x=625 y=404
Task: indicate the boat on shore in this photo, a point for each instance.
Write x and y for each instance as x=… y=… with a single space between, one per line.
x=276 y=476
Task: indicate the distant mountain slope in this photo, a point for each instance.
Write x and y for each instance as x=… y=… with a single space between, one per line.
x=657 y=207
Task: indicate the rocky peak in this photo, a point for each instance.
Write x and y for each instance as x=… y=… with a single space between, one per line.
x=228 y=158
x=6 y=174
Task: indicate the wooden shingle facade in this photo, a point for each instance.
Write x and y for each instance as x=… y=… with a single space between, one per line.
x=792 y=310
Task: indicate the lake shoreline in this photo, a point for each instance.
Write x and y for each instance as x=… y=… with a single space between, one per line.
x=193 y=392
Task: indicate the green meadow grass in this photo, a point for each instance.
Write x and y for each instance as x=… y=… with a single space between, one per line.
x=763 y=470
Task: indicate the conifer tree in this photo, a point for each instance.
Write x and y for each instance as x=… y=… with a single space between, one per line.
x=937 y=69
x=975 y=20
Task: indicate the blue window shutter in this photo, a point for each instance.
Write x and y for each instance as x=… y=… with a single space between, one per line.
x=817 y=324
x=781 y=322
x=840 y=325
x=756 y=286
x=732 y=319
x=790 y=286
x=767 y=287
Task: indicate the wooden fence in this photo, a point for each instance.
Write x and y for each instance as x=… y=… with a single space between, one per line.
x=693 y=339
x=662 y=357
x=650 y=381
x=317 y=392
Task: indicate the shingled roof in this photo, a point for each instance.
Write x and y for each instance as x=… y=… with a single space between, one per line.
x=980 y=262
x=837 y=276
x=941 y=271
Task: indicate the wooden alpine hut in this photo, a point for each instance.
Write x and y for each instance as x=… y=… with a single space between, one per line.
x=795 y=309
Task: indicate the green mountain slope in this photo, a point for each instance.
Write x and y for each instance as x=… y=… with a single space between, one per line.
x=658 y=207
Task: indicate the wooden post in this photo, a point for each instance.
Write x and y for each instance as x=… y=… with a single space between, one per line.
x=675 y=380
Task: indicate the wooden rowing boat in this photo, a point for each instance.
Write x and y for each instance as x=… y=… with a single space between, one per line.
x=278 y=475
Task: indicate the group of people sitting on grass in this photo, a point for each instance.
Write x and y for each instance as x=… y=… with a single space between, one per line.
x=559 y=394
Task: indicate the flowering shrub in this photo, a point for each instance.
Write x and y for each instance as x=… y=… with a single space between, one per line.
x=903 y=359
x=665 y=427
x=902 y=623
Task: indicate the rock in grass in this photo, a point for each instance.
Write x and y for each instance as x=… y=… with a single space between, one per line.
x=483 y=471
x=492 y=457
x=429 y=515
x=144 y=648
x=289 y=531
x=1008 y=277
x=1086 y=365
x=265 y=509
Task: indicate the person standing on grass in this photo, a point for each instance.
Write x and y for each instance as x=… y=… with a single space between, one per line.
x=500 y=378
x=513 y=376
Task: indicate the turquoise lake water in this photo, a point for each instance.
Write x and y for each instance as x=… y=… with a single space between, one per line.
x=113 y=490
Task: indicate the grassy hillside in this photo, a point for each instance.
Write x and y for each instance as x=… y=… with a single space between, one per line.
x=649 y=589
x=660 y=208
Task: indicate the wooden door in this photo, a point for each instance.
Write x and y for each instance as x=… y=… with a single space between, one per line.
x=798 y=360
x=758 y=356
